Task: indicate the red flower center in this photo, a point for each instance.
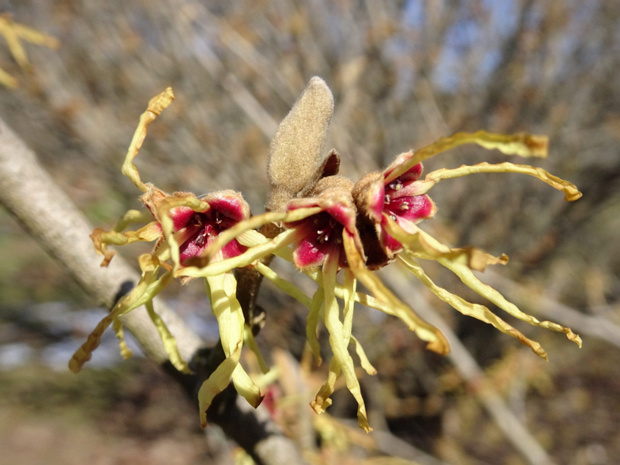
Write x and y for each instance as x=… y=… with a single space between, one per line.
x=201 y=229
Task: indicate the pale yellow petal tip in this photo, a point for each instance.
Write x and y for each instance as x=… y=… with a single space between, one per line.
x=536 y=348
x=158 y=103
x=75 y=366
x=363 y=423
x=574 y=337
x=439 y=346
x=572 y=194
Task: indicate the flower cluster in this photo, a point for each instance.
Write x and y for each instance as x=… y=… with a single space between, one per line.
x=322 y=223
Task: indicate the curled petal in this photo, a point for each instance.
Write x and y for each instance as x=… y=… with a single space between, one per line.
x=227 y=310
x=425 y=331
x=216 y=383
x=145 y=291
x=339 y=341
x=250 y=224
x=461 y=262
x=101 y=239
x=480 y=312
x=248 y=257
x=312 y=325
x=571 y=193
x=156 y=105
x=523 y=145
x=168 y=340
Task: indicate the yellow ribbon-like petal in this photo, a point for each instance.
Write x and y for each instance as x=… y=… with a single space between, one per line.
x=571 y=193
x=168 y=340
x=480 y=312
x=425 y=331
x=523 y=145
x=230 y=319
x=339 y=339
x=146 y=289
x=156 y=105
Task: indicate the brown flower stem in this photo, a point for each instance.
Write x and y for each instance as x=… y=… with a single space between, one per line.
x=48 y=214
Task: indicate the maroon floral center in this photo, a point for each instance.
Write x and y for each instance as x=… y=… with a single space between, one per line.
x=200 y=229
x=322 y=235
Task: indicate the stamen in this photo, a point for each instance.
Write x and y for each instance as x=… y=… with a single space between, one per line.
x=201 y=238
x=396 y=185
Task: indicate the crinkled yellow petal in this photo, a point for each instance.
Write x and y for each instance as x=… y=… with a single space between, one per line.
x=349 y=284
x=468 y=278
x=521 y=144
x=15 y=32
x=461 y=262
x=250 y=342
x=156 y=105
x=571 y=193
x=312 y=321
x=425 y=331
x=246 y=387
x=480 y=312
x=120 y=335
x=7 y=80
x=284 y=285
x=229 y=315
x=312 y=324
x=425 y=246
x=146 y=289
x=338 y=338
x=230 y=320
x=168 y=340
x=322 y=400
x=216 y=383
x=360 y=297
x=252 y=238
x=132 y=217
x=101 y=239
x=459 y=265
x=366 y=365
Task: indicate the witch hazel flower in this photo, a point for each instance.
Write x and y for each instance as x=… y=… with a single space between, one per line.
x=399 y=199
x=380 y=227
x=182 y=226
x=398 y=235
x=322 y=232
x=325 y=225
